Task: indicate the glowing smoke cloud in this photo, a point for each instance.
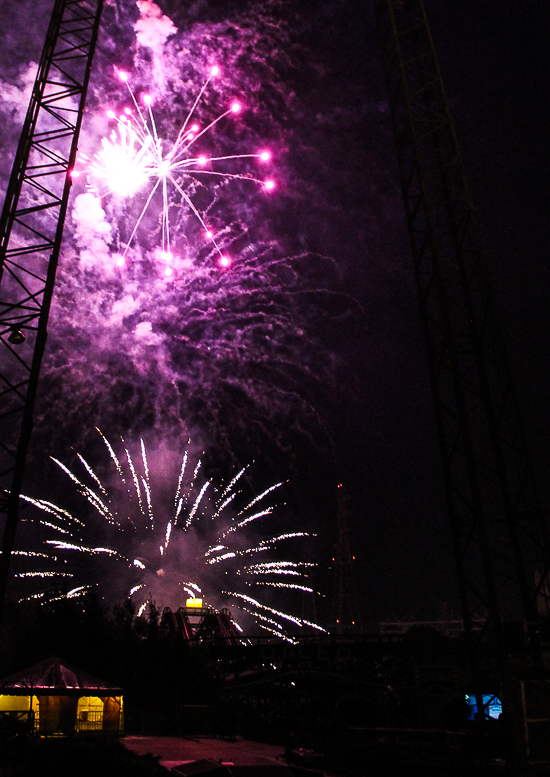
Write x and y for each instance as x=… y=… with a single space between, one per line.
x=133 y=544
x=174 y=340
x=154 y=27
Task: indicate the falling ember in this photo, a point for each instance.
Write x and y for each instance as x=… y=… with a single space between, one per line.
x=144 y=556
x=133 y=158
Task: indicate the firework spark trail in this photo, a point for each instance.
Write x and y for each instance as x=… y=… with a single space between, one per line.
x=261 y=496
x=93 y=498
x=249 y=519
x=48 y=507
x=81 y=548
x=92 y=473
x=272 y=610
x=144 y=459
x=278 y=568
x=149 y=555
x=148 y=497
x=304 y=588
x=227 y=497
x=180 y=479
x=197 y=503
x=112 y=454
x=135 y=479
x=287 y=536
x=44 y=574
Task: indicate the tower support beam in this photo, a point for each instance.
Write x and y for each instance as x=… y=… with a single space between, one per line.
x=499 y=532
x=31 y=229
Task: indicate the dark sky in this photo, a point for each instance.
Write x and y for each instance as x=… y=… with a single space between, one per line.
x=339 y=141
x=495 y=67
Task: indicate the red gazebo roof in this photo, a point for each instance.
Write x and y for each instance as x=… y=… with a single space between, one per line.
x=54 y=676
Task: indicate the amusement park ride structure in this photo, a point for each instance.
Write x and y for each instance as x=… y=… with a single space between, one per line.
x=499 y=531
x=195 y=623
x=31 y=230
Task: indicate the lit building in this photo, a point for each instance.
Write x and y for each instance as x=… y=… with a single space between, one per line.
x=53 y=697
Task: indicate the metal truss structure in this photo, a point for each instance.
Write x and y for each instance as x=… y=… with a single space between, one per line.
x=31 y=229
x=499 y=533
x=201 y=624
x=346 y=613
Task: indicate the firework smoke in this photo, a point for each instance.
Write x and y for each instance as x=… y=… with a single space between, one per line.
x=238 y=355
x=175 y=339
x=127 y=540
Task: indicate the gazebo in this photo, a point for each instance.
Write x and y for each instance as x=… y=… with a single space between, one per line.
x=56 y=698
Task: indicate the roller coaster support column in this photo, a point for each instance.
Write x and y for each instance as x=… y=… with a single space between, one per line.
x=500 y=535
x=31 y=229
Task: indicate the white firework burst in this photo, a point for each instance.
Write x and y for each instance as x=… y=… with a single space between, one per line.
x=136 y=544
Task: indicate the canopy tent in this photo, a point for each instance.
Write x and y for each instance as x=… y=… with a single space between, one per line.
x=59 y=697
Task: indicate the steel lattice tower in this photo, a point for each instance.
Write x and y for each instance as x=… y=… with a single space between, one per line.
x=31 y=228
x=346 y=615
x=500 y=536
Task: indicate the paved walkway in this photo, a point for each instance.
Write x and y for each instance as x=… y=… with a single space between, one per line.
x=177 y=750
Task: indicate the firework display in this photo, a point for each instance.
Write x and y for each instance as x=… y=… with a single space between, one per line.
x=133 y=155
x=177 y=306
x=126 y=542
x=187 y=302
x=259 y=356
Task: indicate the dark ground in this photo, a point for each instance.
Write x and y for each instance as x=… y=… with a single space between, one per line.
x=94 y=755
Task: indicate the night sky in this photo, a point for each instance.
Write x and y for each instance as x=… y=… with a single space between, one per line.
x=361 y=412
